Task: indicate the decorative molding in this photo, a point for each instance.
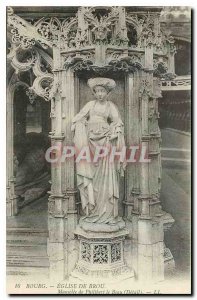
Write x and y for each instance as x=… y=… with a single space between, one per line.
x=180 y=83
x=115 y=62
x=102 y=257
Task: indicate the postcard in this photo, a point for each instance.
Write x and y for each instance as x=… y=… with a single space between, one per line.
x=98 y=150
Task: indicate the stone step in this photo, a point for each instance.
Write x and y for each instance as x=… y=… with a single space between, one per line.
x=26 y=231
x=27 y=261
x=13 y=240
x=22 y=240
x=26 y=250
x=28 y=272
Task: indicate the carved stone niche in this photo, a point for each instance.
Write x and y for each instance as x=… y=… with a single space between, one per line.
x=101 y=256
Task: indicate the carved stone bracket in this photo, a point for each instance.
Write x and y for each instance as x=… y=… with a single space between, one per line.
x=17 y=64
x=42 y=84
x=160 y=66
x=126 y=64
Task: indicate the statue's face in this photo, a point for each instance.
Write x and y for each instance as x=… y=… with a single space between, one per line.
x=100 y=93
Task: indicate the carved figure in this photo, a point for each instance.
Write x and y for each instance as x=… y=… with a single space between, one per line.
x=97 y=125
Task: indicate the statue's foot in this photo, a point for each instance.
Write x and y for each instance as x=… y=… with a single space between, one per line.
x=113 y=226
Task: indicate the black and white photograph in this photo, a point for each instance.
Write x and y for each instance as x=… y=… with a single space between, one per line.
x=98 y=149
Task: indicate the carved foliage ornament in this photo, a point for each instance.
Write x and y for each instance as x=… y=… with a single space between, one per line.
x=88 y=28
x=23 y=33
x=116 y=252
x=85 y=252
x=31 y=59
x=160 y=67
x=149 y=33
x=101 y=27
x=24 y=64
x=145 y=89
x=114 y=62
x=100 y=254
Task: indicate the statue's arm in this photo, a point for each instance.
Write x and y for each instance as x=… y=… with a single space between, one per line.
x=117 y=129
x=82 y=115
x=116 y=124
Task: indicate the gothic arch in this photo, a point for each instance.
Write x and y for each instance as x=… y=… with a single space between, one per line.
x=14 y=68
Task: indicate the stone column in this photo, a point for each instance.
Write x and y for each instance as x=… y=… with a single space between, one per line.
x=150 y=250
x=145 y=93
x=70 y=105
x=57 y=211
x=132 y=188
x=150 y=226
x=132 y=139
x=11 y=198
x=171 y=61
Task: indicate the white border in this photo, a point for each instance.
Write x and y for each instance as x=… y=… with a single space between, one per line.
x=13 y=3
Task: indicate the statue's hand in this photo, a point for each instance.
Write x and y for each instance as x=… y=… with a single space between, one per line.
x=73 y=127
x=118 y=130
x=112 y=137
x=83 y=121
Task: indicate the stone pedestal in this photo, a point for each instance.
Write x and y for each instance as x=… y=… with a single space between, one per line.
x=150 y=250
x=101 y=255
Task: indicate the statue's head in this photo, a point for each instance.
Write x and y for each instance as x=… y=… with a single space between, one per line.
x=101 y=87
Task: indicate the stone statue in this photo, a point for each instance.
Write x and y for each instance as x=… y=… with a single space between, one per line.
x=97 y=125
